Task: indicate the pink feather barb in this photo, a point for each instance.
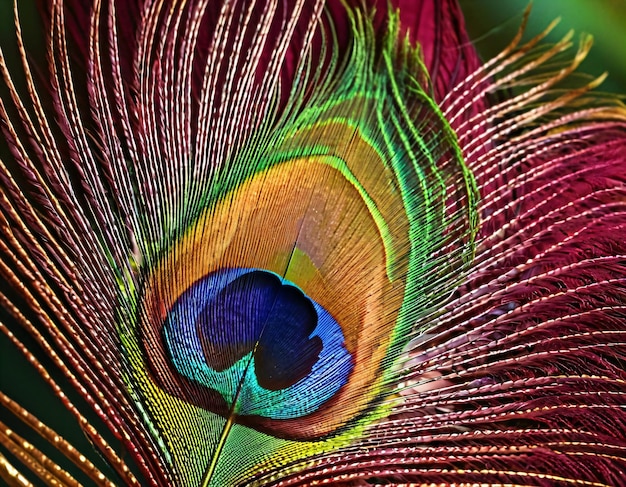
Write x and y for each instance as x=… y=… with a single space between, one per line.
x=519 y=378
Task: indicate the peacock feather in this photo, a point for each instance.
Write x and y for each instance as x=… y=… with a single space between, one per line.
x=311 y=242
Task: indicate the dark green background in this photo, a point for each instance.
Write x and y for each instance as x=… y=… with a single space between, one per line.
x=492 y=23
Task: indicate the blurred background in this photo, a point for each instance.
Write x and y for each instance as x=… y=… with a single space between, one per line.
x=493 y=23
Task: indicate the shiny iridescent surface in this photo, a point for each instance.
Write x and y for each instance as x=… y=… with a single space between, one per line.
x=316 y=243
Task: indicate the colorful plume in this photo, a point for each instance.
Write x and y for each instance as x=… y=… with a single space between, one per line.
x=312 y=242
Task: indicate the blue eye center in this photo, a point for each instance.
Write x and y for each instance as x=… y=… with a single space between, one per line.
x=258 y=341
x=257 y=313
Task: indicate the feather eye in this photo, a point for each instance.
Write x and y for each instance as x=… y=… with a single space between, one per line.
x=285 y=301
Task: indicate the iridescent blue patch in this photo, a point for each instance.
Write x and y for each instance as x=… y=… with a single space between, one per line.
x=259 y=341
